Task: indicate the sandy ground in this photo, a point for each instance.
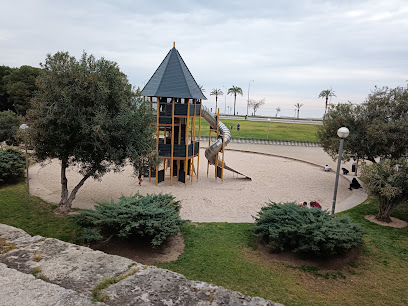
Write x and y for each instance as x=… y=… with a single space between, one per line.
x=395 y=222
x=209 y=200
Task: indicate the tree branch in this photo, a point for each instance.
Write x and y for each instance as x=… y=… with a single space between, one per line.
x=79 y=185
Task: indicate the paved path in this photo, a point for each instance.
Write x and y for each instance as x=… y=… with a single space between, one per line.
x=267 y=142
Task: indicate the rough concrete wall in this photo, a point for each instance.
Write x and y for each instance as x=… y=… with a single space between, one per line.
x=45 y=271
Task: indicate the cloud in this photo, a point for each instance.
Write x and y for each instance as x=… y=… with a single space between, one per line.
x=292 y=49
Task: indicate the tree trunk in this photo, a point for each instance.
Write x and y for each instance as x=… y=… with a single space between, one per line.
x=65 y=204
x=216 y=104
x=298 y=114
x=371 y=159
x=64 y=187
x=235 y=100
x=76 y=188
x=327 y=99
x=384 y=212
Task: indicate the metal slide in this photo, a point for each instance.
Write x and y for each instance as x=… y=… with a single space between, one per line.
x=216 y=147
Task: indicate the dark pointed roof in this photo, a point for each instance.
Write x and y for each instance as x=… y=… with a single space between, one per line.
x=173 y=79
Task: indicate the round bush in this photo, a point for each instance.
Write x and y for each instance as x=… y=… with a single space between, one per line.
x=155 y=217
x=307 y=231
x=12 y=166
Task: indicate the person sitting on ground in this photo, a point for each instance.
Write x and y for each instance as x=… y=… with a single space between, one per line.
x=354 y=184
x=345 y=171
x=326 y=168
x=314 y=204
x=302 y=204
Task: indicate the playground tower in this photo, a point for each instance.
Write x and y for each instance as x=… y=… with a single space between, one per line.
x=175 y=98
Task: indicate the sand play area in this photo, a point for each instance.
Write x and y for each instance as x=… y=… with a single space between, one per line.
x=207 y=200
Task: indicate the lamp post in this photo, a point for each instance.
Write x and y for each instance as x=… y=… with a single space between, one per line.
x=269 y=120
x=225 y=97
x=24 y=127
x=249 y=86
x=342 y=132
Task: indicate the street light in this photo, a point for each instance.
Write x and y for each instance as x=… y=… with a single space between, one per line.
x=269 y=120
x=24 y=127
x=249 y=86
x=225 y=97
x=342 y=132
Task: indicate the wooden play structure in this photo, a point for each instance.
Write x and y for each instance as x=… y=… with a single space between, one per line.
x=176 y=102
x=175 y=98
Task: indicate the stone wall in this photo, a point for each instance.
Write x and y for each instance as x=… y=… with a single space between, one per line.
x=43 y=271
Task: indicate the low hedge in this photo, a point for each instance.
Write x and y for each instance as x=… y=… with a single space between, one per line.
x=155 y=217
x=307 y=231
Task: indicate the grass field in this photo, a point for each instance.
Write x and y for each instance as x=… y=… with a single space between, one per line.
x=34 y=215
x=224 y=254
x=259 y=130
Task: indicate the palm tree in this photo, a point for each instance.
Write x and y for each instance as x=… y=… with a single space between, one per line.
x=326 y=94
x=298 y=106
x=278 y=109
x=201 y=88
x=216 y=92
x=234 y=90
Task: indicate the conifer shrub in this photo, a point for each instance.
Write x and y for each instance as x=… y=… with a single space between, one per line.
x=89 y=235
x=154 y=217
x=307 y=231
x=12 y=166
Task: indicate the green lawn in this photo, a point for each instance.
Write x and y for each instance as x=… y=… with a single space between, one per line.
x=259 y=130
x=34 y=215
x=221 y=253
x=224 y=254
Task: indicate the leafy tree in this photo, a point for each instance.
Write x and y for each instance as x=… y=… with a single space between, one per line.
x=234 y=91
x=326 y=94
x=216 y=92
x=278 y=109
x=378 y=127
x=350 y=116
x=137 y=92
x=387 y=181
x=20 y=84
x=386 y=115
x=255 y=104
x=4 y=103
x=298 y=106
x=9 y=124
x=86 y=114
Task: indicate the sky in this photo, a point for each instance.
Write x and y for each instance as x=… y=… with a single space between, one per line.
x=292 y=50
